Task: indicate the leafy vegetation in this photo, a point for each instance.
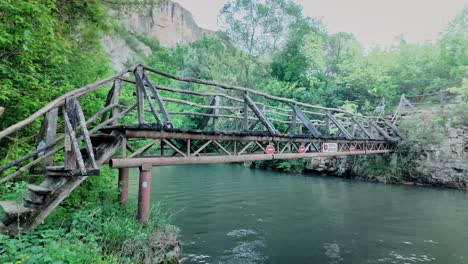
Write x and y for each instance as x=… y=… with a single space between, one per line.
x=49 y=47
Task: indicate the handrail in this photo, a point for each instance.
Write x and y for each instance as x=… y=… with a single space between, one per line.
x=59 y=102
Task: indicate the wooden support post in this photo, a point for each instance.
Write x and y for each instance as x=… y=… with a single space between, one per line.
x=327 y=126
x=144 y=193
x=51 y=132
x=368 y=134
x=245 y=121
x=159 y=100
x=306 y=122
x=123 y=177
x=140 y=96
x=69 y=113
x=216 y=112
x=115 y=100
x=339 y=126
x=259 y=114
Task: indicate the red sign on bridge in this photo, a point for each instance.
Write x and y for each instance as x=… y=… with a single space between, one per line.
x=270 y=149
x=302 y=149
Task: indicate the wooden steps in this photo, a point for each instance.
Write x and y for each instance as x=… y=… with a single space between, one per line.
x=38 y=189
x=14 y=208
x=60 y=171
x=40 y=200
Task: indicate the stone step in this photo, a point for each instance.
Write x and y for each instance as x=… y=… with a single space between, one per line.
x=38 y=189
x=14 y=208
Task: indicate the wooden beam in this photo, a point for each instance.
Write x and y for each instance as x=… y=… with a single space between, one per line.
x=260 y=115
x=217 y=101
x=245 y=114
x=115 y=99
x=361 y=126
x=51 y=132
x=311 y=127
x=69 y=116
x=339 y=126
x=140 y=84
x=159 y=100
x=86 y=139
x=139 y=93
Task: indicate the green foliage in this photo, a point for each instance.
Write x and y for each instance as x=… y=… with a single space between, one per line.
x=107 y=233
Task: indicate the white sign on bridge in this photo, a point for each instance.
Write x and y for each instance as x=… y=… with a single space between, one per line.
x=330 y=147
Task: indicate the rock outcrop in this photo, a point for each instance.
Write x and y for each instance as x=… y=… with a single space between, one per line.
x=163 y=20
x=445 y=164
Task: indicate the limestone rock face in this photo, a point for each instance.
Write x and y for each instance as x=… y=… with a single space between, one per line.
x=446 y=164
x=163 y=20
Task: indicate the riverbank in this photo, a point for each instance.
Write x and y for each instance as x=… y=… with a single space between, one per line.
x=91 y=227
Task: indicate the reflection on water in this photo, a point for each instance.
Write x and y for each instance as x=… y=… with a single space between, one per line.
x=231 y=214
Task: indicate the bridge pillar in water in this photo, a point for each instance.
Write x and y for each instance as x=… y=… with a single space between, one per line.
x=144 y=192
x=123 y=185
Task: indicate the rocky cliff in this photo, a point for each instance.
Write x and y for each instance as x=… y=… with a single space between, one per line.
x=163 y=20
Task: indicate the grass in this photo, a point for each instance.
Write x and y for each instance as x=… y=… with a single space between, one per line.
x=90 y=227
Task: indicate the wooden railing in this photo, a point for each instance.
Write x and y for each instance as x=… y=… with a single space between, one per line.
x=134 y=99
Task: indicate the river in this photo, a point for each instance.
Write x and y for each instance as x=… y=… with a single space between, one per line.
x=232 y=214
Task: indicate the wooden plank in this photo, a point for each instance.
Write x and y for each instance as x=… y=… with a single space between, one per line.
x=51 y=132
x=361 y=126
x=339 y=126
x=311 y=127
x=14 y=208
x=159 y=100
x=86 y=137
x=260 y=115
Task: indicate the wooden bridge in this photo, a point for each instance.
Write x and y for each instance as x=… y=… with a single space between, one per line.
x=144 y=124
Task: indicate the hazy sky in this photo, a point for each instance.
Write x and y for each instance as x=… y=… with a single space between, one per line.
x=373 y=22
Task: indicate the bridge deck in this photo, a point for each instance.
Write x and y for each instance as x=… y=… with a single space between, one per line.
x=189 y=146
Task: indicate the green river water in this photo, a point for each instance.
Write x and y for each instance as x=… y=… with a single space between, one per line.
x=232 y=214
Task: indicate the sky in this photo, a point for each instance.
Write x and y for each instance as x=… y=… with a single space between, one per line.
x=373 y=22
